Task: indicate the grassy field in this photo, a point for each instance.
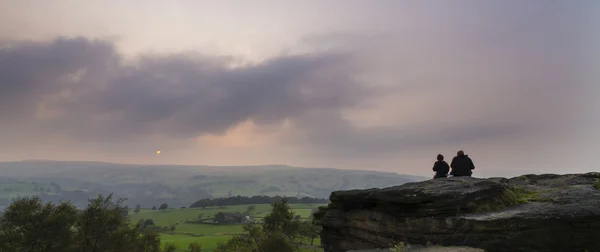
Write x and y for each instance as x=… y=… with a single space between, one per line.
x=207 y=235
x=209 y=243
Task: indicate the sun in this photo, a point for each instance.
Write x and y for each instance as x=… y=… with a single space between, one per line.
x=158 y=152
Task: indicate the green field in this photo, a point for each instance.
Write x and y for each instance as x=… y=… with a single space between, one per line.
x=209 y=243
x=207 y=235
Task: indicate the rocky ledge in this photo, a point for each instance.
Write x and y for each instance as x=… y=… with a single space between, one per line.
x=526 y=213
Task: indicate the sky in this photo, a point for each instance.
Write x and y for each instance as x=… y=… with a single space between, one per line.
x=371 y=85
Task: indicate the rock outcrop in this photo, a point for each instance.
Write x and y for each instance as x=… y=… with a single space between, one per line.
x=527 y=213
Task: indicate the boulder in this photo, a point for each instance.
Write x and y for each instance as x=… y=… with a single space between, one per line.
x=526 y=213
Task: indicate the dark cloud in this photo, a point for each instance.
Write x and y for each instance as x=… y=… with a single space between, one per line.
x=84 y=89
x=455 y=77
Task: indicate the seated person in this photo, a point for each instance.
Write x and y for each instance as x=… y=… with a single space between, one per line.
x=440 y=167
x=462 y=165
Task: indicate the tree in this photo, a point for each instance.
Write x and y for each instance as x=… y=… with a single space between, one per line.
x=310 y=230
x=148 y=222
x=28 y=225
x=194 y=247
x=220 y=218
x=279 y=232
x=200 y=217
x=153 y=207
x=137 y=210
x=250 y=209
x=124 y=210
x=150 y=242
x=163 y=206
x=281 y=219
x=242 y=200
x=102 y=226
x=170 y=247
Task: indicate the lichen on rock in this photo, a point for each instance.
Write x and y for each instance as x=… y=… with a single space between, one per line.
x=528 y=213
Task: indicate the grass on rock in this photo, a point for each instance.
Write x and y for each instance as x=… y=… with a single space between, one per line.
x=511 y=196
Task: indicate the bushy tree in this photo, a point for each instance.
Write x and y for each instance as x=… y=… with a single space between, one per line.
x=169 y=247
x=279 y=232
x=194 y=247
x=281 y=219
x=29 y=225
x=309 y=230
x=163 y=206
x=219 y=218
x=250 y=209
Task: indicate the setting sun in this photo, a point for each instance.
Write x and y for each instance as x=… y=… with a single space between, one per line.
x=157 y=152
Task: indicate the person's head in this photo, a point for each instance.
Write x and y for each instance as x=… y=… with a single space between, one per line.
x=440 y=157
x=460 y=153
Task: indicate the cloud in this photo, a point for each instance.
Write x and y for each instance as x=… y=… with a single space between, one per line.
x=488 y=77
x=84 y=89
x=461 y=91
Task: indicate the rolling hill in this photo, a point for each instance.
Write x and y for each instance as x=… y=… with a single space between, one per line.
x=151 y=185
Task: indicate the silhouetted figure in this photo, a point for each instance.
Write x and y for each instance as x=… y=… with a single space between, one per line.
x=440 y=167
x=462 y=165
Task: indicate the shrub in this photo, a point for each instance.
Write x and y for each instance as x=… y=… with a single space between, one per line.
x=400 y=247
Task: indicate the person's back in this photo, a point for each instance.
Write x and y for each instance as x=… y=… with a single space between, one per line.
x=440 y=167
x=462 y=165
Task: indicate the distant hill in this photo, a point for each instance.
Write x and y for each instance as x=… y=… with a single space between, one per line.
x=151 y=185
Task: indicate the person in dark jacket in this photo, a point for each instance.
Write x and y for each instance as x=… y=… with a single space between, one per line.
x=440 y=167
x=462 y=165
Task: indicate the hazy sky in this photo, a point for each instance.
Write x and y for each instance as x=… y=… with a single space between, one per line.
x=375 y=85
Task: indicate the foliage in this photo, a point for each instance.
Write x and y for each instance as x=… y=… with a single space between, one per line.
x=280 y=231
x=170 y=247
x=223 y=218
x=597 y=184
x=149 y=225
x=309 y=230
x=318 y=215
x=241 y=200
x=163 y=206
x=281 y=219
x=28 y=225
x=194 y=247
x=400 y=247
x=511 y=196
x=250 y=209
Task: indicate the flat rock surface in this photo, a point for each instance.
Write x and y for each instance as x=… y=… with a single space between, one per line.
x=527 y=213
x=427 y=249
